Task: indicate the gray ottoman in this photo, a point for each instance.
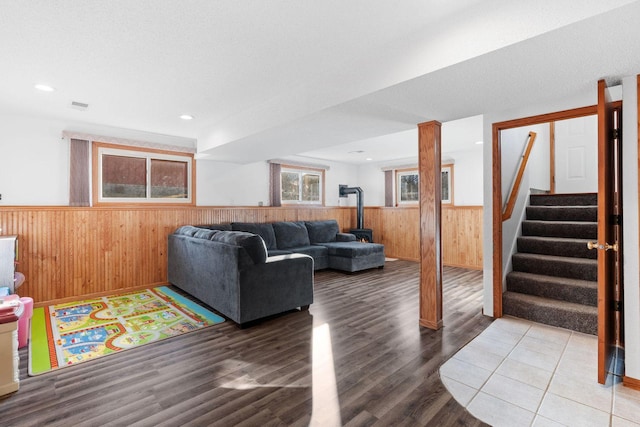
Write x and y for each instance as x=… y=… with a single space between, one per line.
x=354 y=256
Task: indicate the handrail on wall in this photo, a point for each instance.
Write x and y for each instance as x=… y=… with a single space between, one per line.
x=515 y=187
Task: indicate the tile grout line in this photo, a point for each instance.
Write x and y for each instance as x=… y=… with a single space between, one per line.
x=477 y=391
x=536 y=413
x=553 y=374
x=576 y=401
x=494 y=371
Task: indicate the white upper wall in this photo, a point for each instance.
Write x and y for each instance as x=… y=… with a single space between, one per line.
x=467 y=177
x=459 y=147
x=229 y=184
x=512 y=149
x=35 y=161
x=371 y=180
x=36 y=170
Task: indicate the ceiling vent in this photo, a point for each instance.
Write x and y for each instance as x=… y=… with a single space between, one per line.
x=79 y=105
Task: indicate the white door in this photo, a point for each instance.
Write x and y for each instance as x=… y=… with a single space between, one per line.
x=576 y=150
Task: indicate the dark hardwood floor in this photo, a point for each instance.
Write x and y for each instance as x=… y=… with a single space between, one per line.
x=357 y=357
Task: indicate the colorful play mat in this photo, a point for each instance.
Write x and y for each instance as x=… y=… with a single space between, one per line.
x=68 y=334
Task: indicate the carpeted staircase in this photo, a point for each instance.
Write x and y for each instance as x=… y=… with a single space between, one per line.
x=554 y=277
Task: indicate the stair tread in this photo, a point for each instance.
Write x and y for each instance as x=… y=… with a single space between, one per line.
x=554 y=245
x=556 y=239
x=569 y=315
x=551 y=303
x=541 y=221
x=568 y=199
x=555 y=279
x=542 y=257
x=570 y=229
x=578 y=291
x=554 y=208
x=563 y=206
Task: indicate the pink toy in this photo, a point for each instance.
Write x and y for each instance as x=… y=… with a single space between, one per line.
x=24 y=323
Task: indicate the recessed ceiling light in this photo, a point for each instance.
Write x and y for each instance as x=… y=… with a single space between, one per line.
x=186 y=117
x=479 y=142
x=368 y=158
x=44 y=88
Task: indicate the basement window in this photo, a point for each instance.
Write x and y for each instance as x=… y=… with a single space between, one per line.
x=134 y=175
x=408 y=186
x=301 y=186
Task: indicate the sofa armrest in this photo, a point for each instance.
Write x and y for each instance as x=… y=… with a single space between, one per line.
x=345 y=237
x=283 y=283
x=205 y=269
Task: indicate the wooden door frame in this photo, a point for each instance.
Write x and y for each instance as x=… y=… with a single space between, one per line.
x=552 y=157
x=497 y=186
x=610 y=279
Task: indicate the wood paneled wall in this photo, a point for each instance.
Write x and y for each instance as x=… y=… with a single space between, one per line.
x=399 y=228
x=462 y=236
x=67 y=252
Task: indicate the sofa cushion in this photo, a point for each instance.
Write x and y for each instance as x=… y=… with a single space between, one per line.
x=322 y=231
x=187 y=230
x=261 y=229
x=252 y=243
x=345 y=237
x=203 y=233
x=221 y=227
x=277 y=252
x=353 y=249
x=291 y=234
x=318 y=253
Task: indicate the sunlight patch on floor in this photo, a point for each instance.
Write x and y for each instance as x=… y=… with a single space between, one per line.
x=326 y=404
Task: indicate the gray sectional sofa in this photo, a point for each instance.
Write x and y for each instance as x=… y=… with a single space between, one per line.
x=248 y=271
x=231 y=272
x=322 y=240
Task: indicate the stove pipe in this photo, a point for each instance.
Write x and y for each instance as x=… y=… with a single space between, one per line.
x=344 y=191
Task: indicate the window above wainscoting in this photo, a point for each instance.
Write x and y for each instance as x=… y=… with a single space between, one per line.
x=132 y=175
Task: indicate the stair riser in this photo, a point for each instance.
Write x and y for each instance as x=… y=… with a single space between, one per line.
x=570 y=249
x=575 y=294
x=558 y=268
x=581 y=322
x=556 y=299
x=564 y=200
x=569 y=213
x=550 y=229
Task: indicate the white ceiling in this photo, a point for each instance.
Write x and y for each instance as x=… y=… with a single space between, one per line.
x=459 y=135
x=269 y=79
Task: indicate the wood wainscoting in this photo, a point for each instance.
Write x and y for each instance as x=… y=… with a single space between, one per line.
x=399 y=228
x=66 y=252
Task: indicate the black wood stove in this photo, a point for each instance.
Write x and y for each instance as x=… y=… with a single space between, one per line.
x=362 y=234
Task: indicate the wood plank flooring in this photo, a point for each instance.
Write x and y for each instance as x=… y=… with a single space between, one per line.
x=356 y=358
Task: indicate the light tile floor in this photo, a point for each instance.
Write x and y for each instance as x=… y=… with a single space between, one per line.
x=521 y=373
